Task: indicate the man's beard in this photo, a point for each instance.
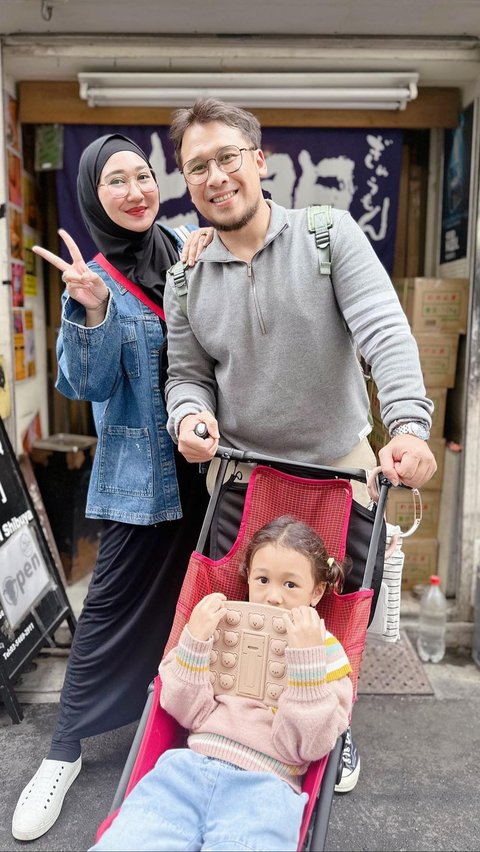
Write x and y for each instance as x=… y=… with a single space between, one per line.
x=240 y=223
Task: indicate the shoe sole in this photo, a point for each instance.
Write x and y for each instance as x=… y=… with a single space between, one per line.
x=347 y=785
x=46 y=826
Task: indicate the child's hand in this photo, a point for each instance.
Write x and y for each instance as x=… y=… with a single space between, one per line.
x=206 y=615
x=305 y=628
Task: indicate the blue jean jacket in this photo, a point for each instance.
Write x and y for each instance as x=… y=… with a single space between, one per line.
x=116 y=365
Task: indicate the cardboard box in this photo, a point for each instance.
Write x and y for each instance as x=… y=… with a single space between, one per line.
x=450 y=521
x=401 y=511
x=421 y=559
x=434 y=304
x=438 y=397
x=438 y=358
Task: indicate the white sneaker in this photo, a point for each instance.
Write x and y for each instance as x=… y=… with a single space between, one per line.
x=41 y=800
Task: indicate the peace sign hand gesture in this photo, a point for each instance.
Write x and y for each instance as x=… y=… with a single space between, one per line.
x=83 y=285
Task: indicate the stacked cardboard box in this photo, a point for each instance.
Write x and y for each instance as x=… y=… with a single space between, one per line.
x=437 y=310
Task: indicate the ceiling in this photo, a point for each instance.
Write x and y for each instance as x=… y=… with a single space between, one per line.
x=247 y=17
x=55 y=39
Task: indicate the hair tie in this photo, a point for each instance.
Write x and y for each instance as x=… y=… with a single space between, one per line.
x=330 y=561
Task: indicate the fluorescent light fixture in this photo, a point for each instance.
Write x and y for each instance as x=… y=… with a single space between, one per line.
x=315 y=90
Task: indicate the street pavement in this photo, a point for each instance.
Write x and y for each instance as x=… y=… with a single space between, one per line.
x=418 y=788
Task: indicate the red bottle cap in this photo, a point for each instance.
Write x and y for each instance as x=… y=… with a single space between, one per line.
x=434 y=580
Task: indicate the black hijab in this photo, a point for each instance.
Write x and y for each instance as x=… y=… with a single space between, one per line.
x=142 y=257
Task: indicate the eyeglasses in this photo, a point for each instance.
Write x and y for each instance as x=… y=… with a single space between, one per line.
x=119 y=185
x=228 y=159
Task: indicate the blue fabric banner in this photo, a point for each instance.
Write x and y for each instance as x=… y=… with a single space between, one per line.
x=355 y=170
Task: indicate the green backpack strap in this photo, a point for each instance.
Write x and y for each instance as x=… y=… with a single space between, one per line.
x=320 y=220
x=177 y=271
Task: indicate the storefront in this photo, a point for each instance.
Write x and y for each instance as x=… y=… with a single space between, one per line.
x=408 y=176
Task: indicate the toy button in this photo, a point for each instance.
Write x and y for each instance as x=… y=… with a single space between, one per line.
x=278 y=625
x=276 y=669
x=274 y=690
x=256 y=620
x=278 y=646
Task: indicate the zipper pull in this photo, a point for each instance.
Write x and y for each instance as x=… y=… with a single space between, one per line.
x=249 y=269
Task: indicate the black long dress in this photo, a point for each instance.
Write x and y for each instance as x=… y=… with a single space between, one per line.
x=126 y=619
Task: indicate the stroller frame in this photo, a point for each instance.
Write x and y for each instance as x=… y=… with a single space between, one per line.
x=161 y=728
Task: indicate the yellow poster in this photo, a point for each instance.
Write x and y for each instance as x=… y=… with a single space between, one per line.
x=30 y=281
x=19 y=344
x=5 y=407
x=30 y=366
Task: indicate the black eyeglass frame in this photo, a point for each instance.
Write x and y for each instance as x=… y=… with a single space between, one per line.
x=199 y=183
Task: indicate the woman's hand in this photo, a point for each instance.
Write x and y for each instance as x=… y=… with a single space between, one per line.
x=206 y=615
x=195 y=243
x=83 y=285
x=305 y=628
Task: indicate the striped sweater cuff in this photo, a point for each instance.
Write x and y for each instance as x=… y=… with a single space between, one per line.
x=307 y=672
x=192 y=657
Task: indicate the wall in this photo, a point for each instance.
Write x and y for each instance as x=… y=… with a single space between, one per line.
x=22 y=301
x=6 y=392
x=463 y=401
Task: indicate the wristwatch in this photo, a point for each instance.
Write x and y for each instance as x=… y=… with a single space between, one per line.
x=411 y=427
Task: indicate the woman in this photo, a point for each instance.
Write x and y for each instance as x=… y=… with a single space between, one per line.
x=111 y=350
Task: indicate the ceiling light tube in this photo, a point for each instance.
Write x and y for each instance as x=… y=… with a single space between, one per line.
x=351 y=90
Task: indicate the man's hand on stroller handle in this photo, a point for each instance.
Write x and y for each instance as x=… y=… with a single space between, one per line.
x=305 y=628
x=408 y=460
x=206 y=615
x=191 y=444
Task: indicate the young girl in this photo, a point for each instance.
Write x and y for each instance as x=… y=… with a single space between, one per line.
x=238 y=784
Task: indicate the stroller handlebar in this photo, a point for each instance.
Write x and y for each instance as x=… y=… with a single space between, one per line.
x=232 y=454
x=246 y=456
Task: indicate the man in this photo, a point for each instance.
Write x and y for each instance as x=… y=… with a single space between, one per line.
x=266 y=356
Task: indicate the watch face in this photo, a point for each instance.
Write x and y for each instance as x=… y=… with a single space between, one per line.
x=419 y=431
x=413 y=428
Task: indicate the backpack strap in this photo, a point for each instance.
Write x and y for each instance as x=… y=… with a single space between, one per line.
x=320 y=220
x=177 y=271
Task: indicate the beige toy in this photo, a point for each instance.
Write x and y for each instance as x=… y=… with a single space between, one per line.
x=248 y=654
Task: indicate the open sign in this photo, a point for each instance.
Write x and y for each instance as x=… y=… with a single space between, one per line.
x=24 y=577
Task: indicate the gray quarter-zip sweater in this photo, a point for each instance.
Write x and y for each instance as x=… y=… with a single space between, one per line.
x=269 y=346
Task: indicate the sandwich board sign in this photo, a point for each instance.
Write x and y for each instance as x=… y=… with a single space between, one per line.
x=33 y=602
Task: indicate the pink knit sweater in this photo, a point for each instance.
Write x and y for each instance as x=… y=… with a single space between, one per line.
x=312 y=712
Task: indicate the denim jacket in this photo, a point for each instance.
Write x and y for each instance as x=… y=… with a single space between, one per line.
x=117 y=366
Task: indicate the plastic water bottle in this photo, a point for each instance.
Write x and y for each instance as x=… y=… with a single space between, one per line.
x=433 y=621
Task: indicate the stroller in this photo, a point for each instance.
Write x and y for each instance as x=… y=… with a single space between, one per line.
x=275 y=488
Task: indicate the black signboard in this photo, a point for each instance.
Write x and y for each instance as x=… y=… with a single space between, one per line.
x=33 y=602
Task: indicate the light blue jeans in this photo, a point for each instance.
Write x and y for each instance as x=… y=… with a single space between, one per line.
x=192 y=802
